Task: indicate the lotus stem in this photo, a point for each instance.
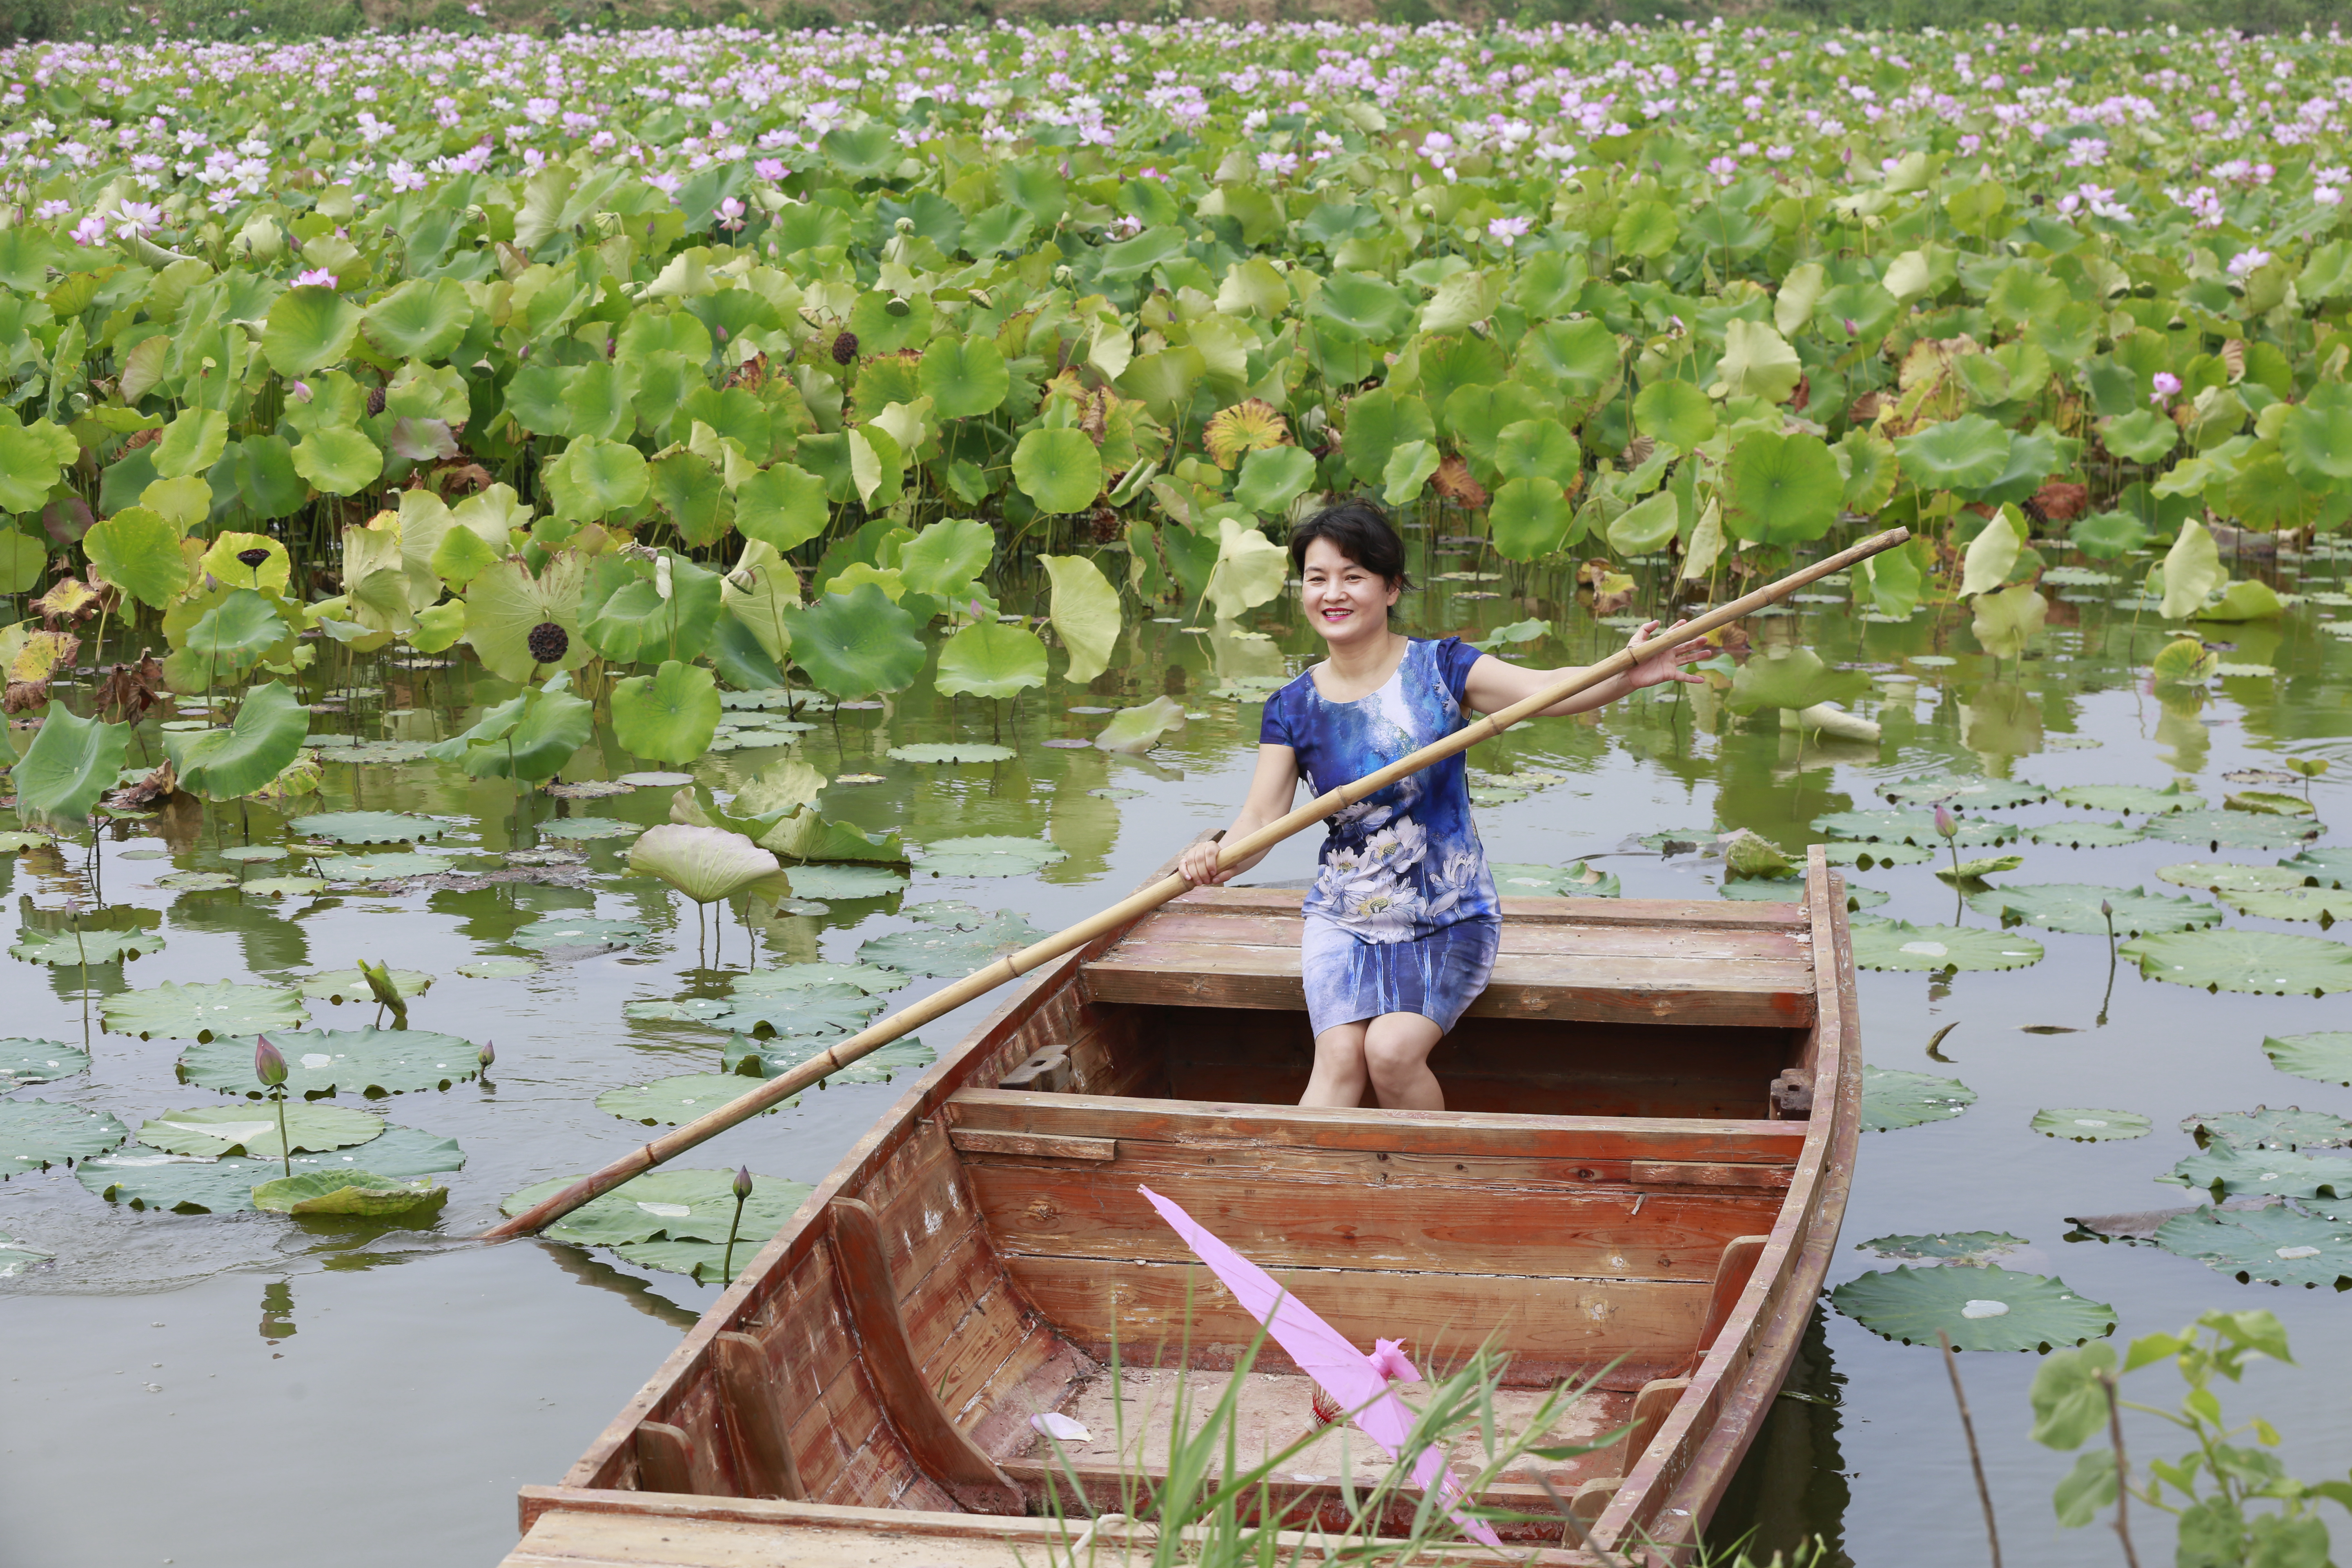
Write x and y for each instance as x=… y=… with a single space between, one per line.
x=2122 y=1469
x=1975 y=1456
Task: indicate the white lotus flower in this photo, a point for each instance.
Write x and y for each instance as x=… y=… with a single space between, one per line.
x=706 y=864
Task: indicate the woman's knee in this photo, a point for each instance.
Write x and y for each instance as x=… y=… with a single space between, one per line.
x=1398 y=1048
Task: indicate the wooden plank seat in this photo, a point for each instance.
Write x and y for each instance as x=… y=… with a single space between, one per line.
x=1596 y=960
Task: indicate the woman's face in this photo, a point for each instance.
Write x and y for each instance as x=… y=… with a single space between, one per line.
x=1347 y=600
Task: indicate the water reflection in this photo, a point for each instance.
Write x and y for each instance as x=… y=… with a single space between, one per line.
x=1790 y=1490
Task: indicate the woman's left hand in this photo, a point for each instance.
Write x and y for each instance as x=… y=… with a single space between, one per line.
x=1663 y=661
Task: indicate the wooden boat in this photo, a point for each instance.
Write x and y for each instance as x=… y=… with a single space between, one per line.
x=1653 y=1123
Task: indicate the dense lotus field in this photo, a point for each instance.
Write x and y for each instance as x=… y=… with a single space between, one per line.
x=630 y=400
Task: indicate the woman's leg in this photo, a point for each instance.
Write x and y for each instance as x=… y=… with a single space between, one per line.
x=1339 y=1078
x=1396 y=1057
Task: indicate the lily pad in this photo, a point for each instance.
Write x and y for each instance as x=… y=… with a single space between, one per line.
x=1868 y=856
x=24 y=1062
x=2221 y=876
x=1916 y=827
x=1966 y=1247
x=90 y=946
x=1974 y=872
x=553 y=931
x=677 y=1009
x=350 y=986
x=368 y=827
x=821 y=1010
x=2265 y=963
x=874 y=979
x=1987 y=1309
x=199 y=1012
x=2328 y=868
x=356 y=1193
x=196 y=881
x=2324 y=1055
x=952 y=752
x=1929 y=949
x=575 y=828
x=1973 y=794
x=1893 y=1099
x=2263 y=1172
x=989 y=855
x=669 y=1205
x=1680 y=840
x=385 y=866
x=655 y=779
x=2325 y=905
x=2092 y=1126
x=36 y=1133
x=1765 y=889
x=2074 y=907
x=844 y=881
x=371 y=1061
x=498 y=968
x=2236 y=830
x=1578 y=881
x=2269 y=803
x=252 y=854
x=2275 y=1244
x=2129 y=799
x=2075 y=832
x=2262 y=1127
x=187 y=1184
x=210 y=1131
x=951 y=949
x=770 y=1059
x=674 y=1102
x=282 y=886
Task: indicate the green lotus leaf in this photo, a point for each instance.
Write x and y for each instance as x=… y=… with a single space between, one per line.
x=2264 y=962
x=531 y=736
x=1409 y=467
x=1892 y=1098
x=2262 y=1127
x=1795 y=679
x=420 y=319
x=707 y=864
x=1084 y=614
x=1370 y=305
x=2130 y=798
x=949 y=949
x=1059 y=470
x=1968 y=1247
x=669 y=1204
x=1379 y=421
x=2325 y=867
x=674 y=1102
x=1867 y=855
x=773 y=1058
x=2325 y=905
x=781 y=506
x=506 y=601
x=1974 y=794
x=1964 y=454
x=2107 y=535
x=679 y=1010
x=223 y=562
x=71 y=762
x=368 y=827
x=1975 y=871
x=1579 y=881
x=988 y=856
x=232 y=634
x=2090 y=1126
x=2268 y=802
x=553 y=932
x=2074 y=833
x=990 y=658
x=827 y=1010
x=2227 y=1173
x=964 y=376
x=36 y=1134
x=259 y=744
x=138 y=553
x=69 y=948
x=1272 y=477
x=2074 y=907
x=1533 y=449
x=377 y=866
x=192 y=443
x=2224 y=877
x=185 y=1186
x=1934 y=949
x=196 y=881
x=363 y=1193
x=1645 y=526
x=2143 y=435
x=2236 y=830
x=1674 y=412
x=1986 y=1309
x=2276 y=1245
x=308 y=328
x=805 y=836
x=594 y=477
x=669 y=715
x=627 y=614
x=949 y=751
x=2323 y=1054
x=831 y=882
x=200 y=1012
x=1758 y=362
x=210 y=1131
x=24 y=1062
x=339 y=985
x=2192 y=569
x=873 y=979
x=369 y=1062
x=1781 y=489
x=856 y=644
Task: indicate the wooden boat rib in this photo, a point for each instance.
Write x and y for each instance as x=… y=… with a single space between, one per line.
x=1653 y=1124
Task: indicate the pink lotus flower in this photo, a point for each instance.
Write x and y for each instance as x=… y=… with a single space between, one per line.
x=299 y=391
x=2167 y=386
x=317 y=278
x=1507 y=229
x=90 y=230
x=771 y=169
x=731 y=217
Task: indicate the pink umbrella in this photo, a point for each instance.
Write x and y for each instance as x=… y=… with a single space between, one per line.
x=1359 y=1382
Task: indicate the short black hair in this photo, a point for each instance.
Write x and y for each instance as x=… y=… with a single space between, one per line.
x=1361 y=531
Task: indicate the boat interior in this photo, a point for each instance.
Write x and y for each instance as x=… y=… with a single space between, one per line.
x=1615 y=1198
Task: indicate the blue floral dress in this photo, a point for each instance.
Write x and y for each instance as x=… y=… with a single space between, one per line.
x=1404 y=917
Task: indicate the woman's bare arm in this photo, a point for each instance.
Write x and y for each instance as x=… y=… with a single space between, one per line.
x=1270 y=793
x=1495 y=685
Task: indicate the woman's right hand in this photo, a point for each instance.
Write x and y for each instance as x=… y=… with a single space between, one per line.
x=1198 y=865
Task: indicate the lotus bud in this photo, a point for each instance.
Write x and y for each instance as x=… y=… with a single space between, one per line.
x=904 y=226
x=2107 y=909
x=487 y=1055
x=845 y=348
x=299 y=391
x=720 y=332
x=548 y=643
x=1851 y=329
x=268 y=1063
x=254 y=557
x=1945 y=823
x=743 y=1183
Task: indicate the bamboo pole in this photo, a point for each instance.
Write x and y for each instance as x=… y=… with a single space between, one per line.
x=775 y=1090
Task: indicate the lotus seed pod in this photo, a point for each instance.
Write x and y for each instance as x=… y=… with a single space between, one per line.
x=376 y=400
x=845 y=348
x=254 y=557
x=548 y=643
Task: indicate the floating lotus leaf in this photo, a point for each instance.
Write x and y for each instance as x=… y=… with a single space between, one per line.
x=2074 y=907
x=36 y=1134
x=196 y=881
x=24 y=1062
x=385 y=866
x=2325 y=905
x=1972 y=872
x=369 y=1062
x=823 y=1010
x=555 y=931
x=844 y=881
x=677 y=1010
x=2263 y=1172
x=1968 y=794
x=1899 y=944
x=2268 y=963
x=573 y=828
x=2092 y=1126
x=805 y=836
x=2324 y=1055
x=2224 y=877
x=2130 y=798
x=1865 y=856
x=2275 y=1244
x=2328 y=868
x=2235 y=829
x=1968 y=1247
x=210 y=1131
x=351 y=985
x=669 y=1205
x=2268 y=802
x=361 y=1194
x=1765 y=889
x=368 y=827
x=707 y=864
x=950 y=950
x=1987 y=1309
x=952 y=752
x=87 y=946
x=1916 y=827
x=987 y=855
x=773 y=1058
x=281 y=887
x=674 y=1102
x=1578 y=881
x=1135 y=731
x=498 y=968
x=873 y=979
x=1893 y=1099
x=2073 y=833
x=187 y=1184
x=2262 y=1127
x=200 y=1012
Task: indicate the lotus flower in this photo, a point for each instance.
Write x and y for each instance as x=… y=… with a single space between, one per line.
x=706 y=864
x=1945 y=823
x=743 y=1183
x=268 y=1062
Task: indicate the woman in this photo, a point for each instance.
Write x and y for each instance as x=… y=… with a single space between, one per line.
x=1402 y=923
